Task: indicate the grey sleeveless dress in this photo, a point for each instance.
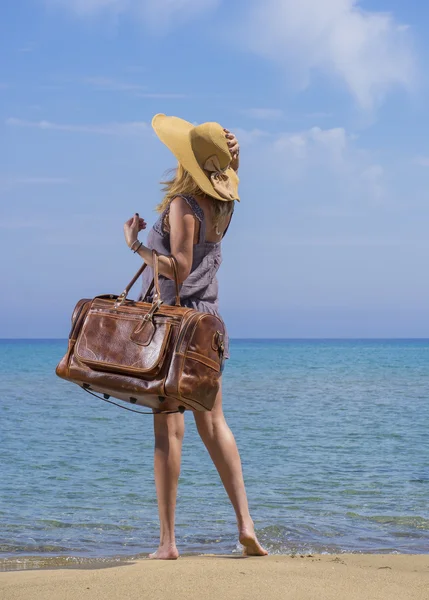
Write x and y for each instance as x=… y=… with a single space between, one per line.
x=200 y=289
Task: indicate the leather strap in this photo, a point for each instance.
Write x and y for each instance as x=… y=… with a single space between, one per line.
x=176 y=278
x=121 y=299
x=180 y=410
x=155 y=258
x=134 y=279
x=155 y=280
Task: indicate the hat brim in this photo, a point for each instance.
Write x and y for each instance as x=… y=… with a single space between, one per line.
x=175 y=134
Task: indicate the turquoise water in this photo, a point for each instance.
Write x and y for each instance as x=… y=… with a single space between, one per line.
x=333 y=437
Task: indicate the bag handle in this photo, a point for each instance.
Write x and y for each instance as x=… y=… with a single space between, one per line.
x=176 y=278
x=155 y=282
x=121 y=299
x=157 y=294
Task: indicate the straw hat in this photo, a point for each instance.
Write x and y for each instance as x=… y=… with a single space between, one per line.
x=203 y=152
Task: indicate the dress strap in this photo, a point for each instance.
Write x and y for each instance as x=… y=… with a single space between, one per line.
x=199 y=214
x=195 y=208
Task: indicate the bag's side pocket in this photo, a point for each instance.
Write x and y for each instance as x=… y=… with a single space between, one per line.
x=202 y=360
x=78 y=317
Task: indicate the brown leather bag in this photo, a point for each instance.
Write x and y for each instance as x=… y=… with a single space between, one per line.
x=145 y=353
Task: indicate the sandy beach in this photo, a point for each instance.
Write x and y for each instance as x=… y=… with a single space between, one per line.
x=306 y=577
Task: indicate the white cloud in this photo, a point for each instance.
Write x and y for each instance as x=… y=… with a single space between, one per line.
x=157 y=13
x=315 y=161
x=131 y=128
x=263 y=113
x=368 y=52
x=323 y=144
x=252 y=136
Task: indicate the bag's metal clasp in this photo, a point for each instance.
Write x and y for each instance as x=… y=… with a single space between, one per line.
x=219 y=341
x=155 y=306
x=120 y=300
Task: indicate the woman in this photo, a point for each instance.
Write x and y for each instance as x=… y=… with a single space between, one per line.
x=195 y=215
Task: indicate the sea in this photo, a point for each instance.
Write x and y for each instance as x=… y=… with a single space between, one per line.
x=333 y=437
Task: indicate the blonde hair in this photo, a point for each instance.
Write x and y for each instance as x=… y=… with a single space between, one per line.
x=181 y=183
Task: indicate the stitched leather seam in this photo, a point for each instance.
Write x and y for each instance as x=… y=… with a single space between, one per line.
x=165 y=309
x=186 y=320
x=77 y=327
x=184 y=354
x=119 y=368
x=203 y=359
x=130 y=317
x=148 y=340
x=167 y=333
x=76 y=315
x=120 y=317
x=72 y=344
x=183 y=359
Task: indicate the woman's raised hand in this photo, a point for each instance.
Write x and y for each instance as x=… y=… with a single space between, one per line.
x=132 y=228
x=234 y=146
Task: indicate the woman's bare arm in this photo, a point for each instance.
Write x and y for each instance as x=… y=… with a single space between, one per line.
x=182 y=233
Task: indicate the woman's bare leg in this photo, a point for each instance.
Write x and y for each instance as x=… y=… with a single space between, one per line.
x=169 y=432
x=221 y=445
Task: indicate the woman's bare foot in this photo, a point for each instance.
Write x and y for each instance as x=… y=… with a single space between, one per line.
x=248 y=539
x=165 y=553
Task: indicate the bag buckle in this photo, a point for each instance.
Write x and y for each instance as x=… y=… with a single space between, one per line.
x=219 y=343
x=155 y=306
x=120 y=300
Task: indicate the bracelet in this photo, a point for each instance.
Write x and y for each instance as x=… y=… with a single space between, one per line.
x=131 y=247
x=138 y=248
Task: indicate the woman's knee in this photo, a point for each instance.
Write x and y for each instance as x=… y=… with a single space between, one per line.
x=169 y=427
x=210 y=422
x=208 y=425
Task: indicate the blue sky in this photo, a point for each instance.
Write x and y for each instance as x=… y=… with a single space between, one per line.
x=328 y=100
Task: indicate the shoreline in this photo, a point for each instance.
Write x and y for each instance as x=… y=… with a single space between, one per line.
x=40 y=562
x=317 y=576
